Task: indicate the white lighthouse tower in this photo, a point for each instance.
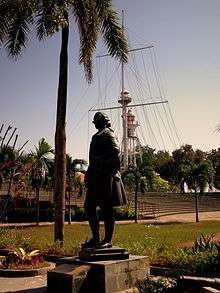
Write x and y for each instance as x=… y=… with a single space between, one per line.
x=130 y=140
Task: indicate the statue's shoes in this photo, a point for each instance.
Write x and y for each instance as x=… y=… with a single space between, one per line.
x=104 y=244
x=92 y=243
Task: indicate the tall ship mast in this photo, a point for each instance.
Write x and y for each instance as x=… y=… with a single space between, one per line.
x=130 y=142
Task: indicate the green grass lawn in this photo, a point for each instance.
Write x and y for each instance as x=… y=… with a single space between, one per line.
x=143 y=239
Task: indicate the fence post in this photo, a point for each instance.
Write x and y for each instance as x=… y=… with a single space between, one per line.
x=196 y=207
x=136 y=200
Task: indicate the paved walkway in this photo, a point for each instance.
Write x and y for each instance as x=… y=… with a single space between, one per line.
x=38 y=284
x=23 y=285
x=189 y=217
x=181 y=218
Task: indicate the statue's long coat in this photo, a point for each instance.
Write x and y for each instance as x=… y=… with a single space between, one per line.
x=103 y=177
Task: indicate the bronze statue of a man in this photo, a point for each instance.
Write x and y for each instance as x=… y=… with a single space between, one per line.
x=105 y=188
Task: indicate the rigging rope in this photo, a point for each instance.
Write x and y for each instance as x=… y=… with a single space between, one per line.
x=147 y=131
x=155 y=113
x=99 y=82
x=145 y=114
x=156 y=74
x=171 y=116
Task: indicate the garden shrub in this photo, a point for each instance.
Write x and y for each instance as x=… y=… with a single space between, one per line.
x=205 y=243
x=157 y=285
x=79 y=214
x=29 y=214
x=57 y=249
x=198 y=264
x=121 y=213
x=124 y=213
x=202 y=259
x=13 y=238
x=73 y=214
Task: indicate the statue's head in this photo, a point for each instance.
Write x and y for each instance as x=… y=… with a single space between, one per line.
x=101 y=120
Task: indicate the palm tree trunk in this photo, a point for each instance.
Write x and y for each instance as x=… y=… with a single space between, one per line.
x=9 y=186
x=196 y=207
x=69 y=208
x=60 y=140
x=38 y=205
x=136 y=199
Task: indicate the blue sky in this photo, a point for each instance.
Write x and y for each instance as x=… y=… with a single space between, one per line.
x=187 y=41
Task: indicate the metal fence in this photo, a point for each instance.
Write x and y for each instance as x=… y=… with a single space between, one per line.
x=161 y=204
x=150 y=204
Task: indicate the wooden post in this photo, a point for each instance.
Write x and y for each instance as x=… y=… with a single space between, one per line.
x=196 y=207
x=69 y=208
x=136 y=199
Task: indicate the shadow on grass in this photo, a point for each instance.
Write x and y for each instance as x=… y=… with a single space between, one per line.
x=168 y=223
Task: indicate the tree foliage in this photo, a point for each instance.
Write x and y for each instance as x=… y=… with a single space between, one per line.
x=18 y=18
x=160 y=171
x=92 y=17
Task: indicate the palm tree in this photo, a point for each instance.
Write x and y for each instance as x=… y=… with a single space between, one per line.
x=22 y=174
x=41 y=159
x=72 y=181
x=92 y=18
x=8 y=163
x=69 y=183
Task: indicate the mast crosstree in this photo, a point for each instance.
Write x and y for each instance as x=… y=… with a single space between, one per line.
x=130 y=141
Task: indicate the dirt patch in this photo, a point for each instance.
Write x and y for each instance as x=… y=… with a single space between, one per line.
x=188 y=244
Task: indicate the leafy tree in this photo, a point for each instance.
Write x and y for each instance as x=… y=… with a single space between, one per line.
x=70 y=182
x=73 y=181
x=193 y=168
x=133 y=173
x=48 y=183
x=159 y=184
x=79 y=168
x=146 y=163
x=144 y=175
x=41 y=158
x=22 y=174
x=69 y=171
x=164 y=165
x=214 y=157
x=128 y=180
x=201 y=176
x=7 y=165
x=183 y=164
x=92 y=17
x=143 y=184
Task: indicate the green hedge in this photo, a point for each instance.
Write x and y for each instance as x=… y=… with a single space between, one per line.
x=121 y=213
x=29 y=214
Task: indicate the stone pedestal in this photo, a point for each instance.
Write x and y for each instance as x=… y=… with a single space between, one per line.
x=209 y=290
x=97 y=254
x=73 y=275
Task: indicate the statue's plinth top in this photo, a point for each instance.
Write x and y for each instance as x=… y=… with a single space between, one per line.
x=101 y=254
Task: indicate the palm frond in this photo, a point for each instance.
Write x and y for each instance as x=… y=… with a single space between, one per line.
x=51 y=17
x=19 y=27
x=4 y=20
x=34 y=253
x=17 y=37
x=114 y=37
x=45 y=25
x=88 y=26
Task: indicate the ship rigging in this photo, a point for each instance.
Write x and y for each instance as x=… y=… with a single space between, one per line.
x=130 y=142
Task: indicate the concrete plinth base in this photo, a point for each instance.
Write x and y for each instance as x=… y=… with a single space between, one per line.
x=94 y=254
x=209 y=290
x=73 y=275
